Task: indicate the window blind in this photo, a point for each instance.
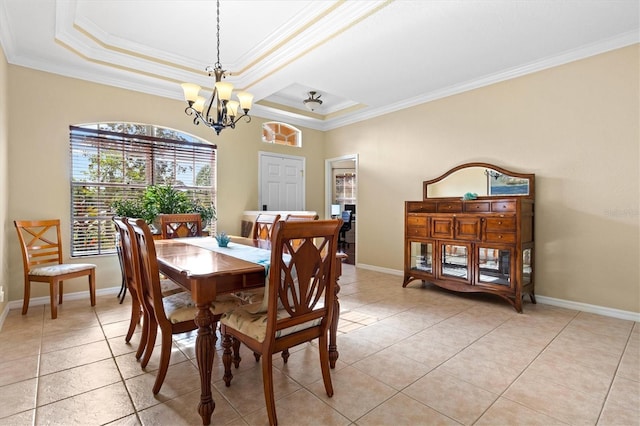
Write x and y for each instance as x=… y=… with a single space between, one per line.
x=114 y=161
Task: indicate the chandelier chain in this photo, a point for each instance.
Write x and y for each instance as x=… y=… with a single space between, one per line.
x=218 y=64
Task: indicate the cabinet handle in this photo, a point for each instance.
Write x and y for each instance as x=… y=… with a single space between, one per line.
x=499 y=236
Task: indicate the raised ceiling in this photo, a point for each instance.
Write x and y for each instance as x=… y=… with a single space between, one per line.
x=365 y=58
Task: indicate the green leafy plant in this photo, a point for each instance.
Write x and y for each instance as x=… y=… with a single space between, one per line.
x=207 y=212
x=163 y=199
x=129 y=208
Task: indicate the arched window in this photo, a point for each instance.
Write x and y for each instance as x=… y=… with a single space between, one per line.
x=281 y=134
x=117 y=162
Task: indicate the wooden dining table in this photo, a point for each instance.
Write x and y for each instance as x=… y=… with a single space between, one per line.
x=207 y=273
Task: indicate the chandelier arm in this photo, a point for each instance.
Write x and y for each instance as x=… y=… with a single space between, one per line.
x=245 y=115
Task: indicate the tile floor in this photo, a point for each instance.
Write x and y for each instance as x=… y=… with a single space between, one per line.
x=414 y=356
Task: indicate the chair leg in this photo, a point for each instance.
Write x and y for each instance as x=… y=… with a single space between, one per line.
x=145 y=334
x=151 y=341
x=60 y=292
x=92 y=287
x=256 y=355
x=135 y=319
x=53 y=295
x=267 y=381
x=323 y=348
x=285 y=355
x=165 y=356
x=236 y=353
x=226 y=359
x=27 y=296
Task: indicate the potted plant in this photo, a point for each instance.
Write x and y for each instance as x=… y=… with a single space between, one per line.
x=163 y=199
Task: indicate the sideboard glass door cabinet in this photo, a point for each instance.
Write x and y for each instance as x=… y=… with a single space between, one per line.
x=482 y=244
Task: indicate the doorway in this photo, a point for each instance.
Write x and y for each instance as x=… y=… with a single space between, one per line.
x=341 y=189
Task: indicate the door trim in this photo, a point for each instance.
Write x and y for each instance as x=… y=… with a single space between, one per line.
x=328 y=184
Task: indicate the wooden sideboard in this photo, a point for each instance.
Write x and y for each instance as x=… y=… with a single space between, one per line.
x=481 y=245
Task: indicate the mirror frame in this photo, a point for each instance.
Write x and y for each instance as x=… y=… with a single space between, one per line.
x=528 y=176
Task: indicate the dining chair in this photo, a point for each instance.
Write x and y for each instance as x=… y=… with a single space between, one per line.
x=263 y=226
x=173 y=314
x=137 y=309
x=42 y=262
x=180 y=225
x=298 y=307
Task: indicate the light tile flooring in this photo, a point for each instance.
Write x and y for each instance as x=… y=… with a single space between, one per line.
x=413 y=356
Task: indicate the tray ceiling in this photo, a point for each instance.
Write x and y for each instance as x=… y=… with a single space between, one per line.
x=366 y=58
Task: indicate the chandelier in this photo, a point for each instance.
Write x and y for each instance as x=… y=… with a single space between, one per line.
x=313 y=101
x=219 y=111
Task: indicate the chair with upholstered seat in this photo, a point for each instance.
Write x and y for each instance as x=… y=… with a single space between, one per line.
x=173 y=314
x=181 y=225
x=42 y=262
x=263 y=226
x=298 y=306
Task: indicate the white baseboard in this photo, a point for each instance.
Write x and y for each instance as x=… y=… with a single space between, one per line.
x=379 y=269
x=577 y=306
x=4 y=314
x=585 y=307
x=44 y=300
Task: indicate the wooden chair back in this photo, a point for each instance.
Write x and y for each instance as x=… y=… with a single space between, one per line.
x=131 y=275
x=263 y=226
x=146 y=268
x=301 y=217
x=40 y=242
x=125 y=253
x=181 y=225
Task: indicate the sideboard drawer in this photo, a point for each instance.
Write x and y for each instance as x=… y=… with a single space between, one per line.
x=414 y=231
x=503 y=206
x=500 y=237
x=421 y=207
x=416 y=220
x=481 y=206
x=501 y=224
x=449 y=206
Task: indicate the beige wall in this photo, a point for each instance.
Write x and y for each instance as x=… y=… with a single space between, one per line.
x=574 y=126
x=4 y=176
x=43 y=106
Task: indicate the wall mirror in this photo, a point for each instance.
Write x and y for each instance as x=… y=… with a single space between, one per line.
x=484 y=179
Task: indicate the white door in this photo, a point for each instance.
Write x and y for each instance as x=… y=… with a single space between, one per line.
x=281 y=182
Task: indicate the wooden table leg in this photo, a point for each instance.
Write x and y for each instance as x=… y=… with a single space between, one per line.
x=204 y=355
x=333 y=330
